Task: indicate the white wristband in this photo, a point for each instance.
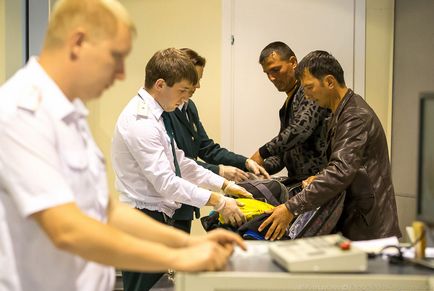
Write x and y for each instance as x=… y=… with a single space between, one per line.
x=221 y=204
x=221 y=170
x=228 y=185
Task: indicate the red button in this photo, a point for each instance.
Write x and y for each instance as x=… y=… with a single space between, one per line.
x=345 y=245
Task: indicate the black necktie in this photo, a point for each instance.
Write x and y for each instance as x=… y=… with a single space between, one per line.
x=169 y=129
x=184 y=110
x=186 y=211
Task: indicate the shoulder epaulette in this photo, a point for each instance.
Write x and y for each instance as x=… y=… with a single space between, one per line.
x=31 y=99
x=142 y=108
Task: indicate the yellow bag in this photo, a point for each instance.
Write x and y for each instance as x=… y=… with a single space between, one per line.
x=251 y=208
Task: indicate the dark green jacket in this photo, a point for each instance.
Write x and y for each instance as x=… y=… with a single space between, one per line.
x=191 y=137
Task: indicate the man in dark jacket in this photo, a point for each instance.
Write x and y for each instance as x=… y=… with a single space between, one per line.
x=300 y=144
x=358 y=160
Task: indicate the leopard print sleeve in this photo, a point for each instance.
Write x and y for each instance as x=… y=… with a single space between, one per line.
x=274 y=164
x=305 y=117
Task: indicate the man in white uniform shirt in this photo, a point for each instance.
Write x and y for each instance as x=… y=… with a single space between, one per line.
x=152 y=174
x=59 y=229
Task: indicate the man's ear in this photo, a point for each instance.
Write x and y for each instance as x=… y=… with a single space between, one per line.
x=293 y=61
x=159 y=84
x=75 y=42
x=330 y=81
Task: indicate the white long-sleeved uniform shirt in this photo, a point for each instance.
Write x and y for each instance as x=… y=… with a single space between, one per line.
x=143 y=162
x=47 y=158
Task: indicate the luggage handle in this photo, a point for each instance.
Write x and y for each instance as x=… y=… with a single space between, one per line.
x=267 y=193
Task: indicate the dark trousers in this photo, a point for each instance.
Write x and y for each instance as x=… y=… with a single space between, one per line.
x=135 y=281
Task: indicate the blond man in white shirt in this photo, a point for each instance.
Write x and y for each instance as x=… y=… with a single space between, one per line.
x=59 y=229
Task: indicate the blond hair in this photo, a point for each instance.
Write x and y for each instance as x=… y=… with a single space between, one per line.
x=99 y=18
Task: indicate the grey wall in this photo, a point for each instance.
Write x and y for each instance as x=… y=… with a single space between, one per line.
x=14 y=36
x=13 y=21
x=38 y=20
x=413 y=73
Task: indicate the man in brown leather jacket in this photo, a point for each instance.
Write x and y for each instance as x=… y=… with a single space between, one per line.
x=358 y=160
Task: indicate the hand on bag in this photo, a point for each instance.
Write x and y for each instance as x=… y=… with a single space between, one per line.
x=233 y=189
x=256 y=169
x=233 y=173
x=278 y=220
x=307 y=182
x=231 y=213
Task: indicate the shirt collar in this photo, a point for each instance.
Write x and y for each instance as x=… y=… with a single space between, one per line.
x=80 y=108
x=183 y=105
x=153 y=105
x=343 y=102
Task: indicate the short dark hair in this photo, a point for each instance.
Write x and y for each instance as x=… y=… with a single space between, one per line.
x=320 y=64
x=171 y=65
x=281 y=48
x=197 y=59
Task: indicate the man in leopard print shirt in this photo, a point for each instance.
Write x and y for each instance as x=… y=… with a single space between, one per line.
x=301 y=142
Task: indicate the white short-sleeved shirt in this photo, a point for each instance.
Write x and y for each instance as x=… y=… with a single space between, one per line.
x=143 y=162
x=47 y=158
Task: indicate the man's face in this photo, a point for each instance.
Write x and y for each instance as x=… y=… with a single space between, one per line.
x=170 y=98
x=199 y=71
x=316 y=90
x=102 y=62
x=280 y=72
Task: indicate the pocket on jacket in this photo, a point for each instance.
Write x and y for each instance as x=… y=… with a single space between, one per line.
x=363 y=196
x=365 y=209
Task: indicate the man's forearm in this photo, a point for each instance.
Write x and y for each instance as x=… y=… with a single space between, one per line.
x=138 y=224
x=72 y=231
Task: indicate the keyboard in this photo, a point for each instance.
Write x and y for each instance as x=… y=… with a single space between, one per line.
x=329 y=253
x=427 y=262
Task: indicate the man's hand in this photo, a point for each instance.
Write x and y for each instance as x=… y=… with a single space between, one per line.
x=228 y=208
x=257 y=158
x=256 y=169
x=306 y=182
x=209 y=252
x=233 y=189
x=279 y=219
x=233 y=173
x=205 y=256
x=220 y=236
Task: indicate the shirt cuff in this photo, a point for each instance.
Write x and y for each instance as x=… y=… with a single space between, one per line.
x=200 y=197
x=216 y=183
x=292 y=207
x=264 y=152
x=214 y=169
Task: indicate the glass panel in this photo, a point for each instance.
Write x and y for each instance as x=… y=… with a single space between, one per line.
x=12 y=18
x=2 y=41
x=426 y=159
